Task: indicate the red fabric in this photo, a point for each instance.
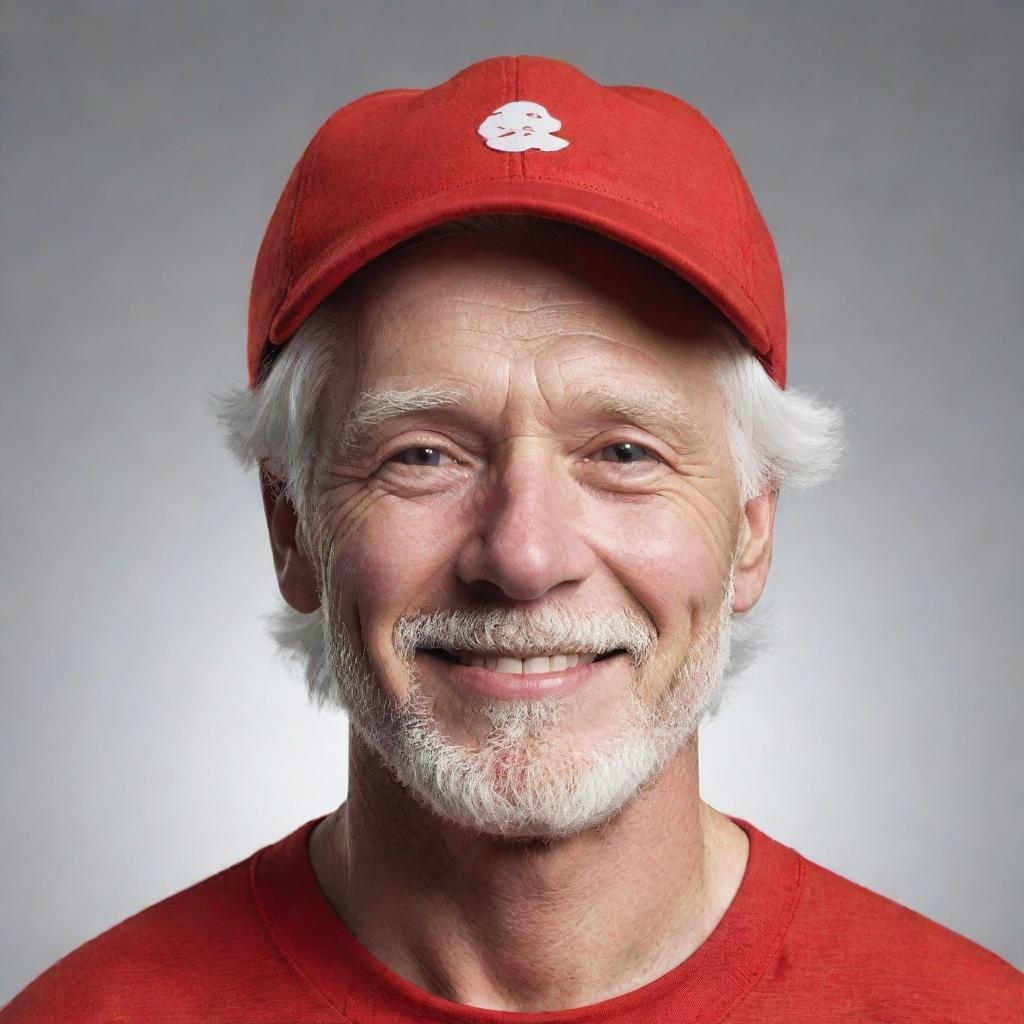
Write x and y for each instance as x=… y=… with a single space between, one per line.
x=641 y=167
x=258 y=943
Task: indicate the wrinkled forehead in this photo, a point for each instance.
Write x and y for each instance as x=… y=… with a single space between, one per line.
x=566 y=270
x=461 y=304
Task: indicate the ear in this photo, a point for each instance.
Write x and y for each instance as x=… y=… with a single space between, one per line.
x=295 y=575
x=755 y=550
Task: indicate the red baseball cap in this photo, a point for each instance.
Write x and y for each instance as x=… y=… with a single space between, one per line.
x=526 y=135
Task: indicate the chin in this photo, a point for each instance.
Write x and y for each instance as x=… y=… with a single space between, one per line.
x=539 y=770
x=528 y=780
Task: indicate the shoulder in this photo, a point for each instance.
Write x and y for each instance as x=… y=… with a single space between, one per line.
x=178 y=958
x=893 y=962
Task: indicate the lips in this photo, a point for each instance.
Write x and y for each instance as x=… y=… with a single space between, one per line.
x=535 y=664
x=523 y=666
x=502 y=676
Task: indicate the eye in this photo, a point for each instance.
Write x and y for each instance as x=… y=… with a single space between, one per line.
x=418 y=455
x=625 y=452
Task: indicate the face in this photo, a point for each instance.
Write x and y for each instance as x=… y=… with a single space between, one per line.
x=528 y=528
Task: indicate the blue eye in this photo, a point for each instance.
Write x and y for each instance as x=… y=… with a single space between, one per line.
x=419 y=456
x=625 y=452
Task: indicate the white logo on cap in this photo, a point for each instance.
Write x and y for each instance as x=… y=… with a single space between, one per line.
x=519 y=126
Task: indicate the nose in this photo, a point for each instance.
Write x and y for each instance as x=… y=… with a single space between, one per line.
x=527 y=540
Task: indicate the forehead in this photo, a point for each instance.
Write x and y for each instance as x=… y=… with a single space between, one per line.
x=566 y=297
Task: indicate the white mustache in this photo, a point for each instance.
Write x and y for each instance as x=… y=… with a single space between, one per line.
x=519 y=633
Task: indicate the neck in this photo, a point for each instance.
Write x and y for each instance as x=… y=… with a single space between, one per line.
x=528 y=926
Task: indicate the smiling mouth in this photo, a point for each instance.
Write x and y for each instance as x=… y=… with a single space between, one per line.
x=529 y=665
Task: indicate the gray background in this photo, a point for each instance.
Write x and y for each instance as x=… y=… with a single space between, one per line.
x=148 y=735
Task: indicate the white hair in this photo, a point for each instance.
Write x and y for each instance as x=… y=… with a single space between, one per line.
x=776 y=437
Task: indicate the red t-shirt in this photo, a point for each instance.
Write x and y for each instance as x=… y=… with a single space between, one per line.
x=258 y=943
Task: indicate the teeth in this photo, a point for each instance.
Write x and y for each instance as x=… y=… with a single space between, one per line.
x=524 y=666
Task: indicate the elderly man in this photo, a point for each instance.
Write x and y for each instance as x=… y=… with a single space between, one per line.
x=517 y=365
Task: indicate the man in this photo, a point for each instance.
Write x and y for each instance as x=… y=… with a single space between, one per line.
x=517 y=369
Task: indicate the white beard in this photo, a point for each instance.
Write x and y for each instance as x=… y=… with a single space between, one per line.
x=524 y=780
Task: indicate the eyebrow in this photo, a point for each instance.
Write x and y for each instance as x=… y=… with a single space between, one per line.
x=658 y=410
x=375 y=407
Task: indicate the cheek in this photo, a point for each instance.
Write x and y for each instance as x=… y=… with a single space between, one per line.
x=665 y=560
x=387 y=564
